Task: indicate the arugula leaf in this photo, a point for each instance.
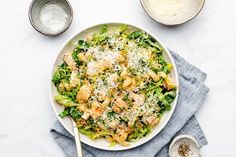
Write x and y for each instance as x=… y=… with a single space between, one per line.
x=139 y=132
x=111 y=114
x=126 y=97
x=75 y=57
x=151 y=42
x=82 y=45
x=167 y=68
x=64 y=114
x=144 y=40
x=135 y=35
x=56 y=77
x=170 y=96
x=62 y=73
x=72 y=112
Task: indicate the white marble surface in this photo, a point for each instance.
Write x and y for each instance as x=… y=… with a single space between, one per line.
x=27 y=57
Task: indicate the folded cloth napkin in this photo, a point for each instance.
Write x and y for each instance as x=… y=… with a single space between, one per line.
x=192 y=93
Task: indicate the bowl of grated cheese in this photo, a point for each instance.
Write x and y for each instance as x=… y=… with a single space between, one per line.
x=172 y=12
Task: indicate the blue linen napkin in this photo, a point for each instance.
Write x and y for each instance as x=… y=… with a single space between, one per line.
x=192 y=93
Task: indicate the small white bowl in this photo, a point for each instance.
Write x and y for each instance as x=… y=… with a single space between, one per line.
x=187 y=139
x=191 y=10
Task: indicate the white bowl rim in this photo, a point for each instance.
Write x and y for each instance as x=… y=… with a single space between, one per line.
x=148 y=138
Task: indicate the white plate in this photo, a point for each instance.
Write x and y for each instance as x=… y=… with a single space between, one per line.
x=101 y=143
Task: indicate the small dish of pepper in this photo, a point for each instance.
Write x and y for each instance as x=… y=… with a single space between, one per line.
x=184 y=146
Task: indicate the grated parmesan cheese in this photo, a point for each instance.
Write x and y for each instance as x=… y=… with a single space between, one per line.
x=135 y=56
x=101 y=90
x=167 y=8
x=111 y=80
x=91 y=68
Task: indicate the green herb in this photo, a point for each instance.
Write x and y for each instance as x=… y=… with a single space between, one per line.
x=170 y=96
x=139 y=132
x=75 y=57
x=111 y=114
x=65 y=101
x=64 y=114
x=81 y=46
x=144 y=40
x=72 y=112
x=135 y=35
x=126 y=97
x=62 y=73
